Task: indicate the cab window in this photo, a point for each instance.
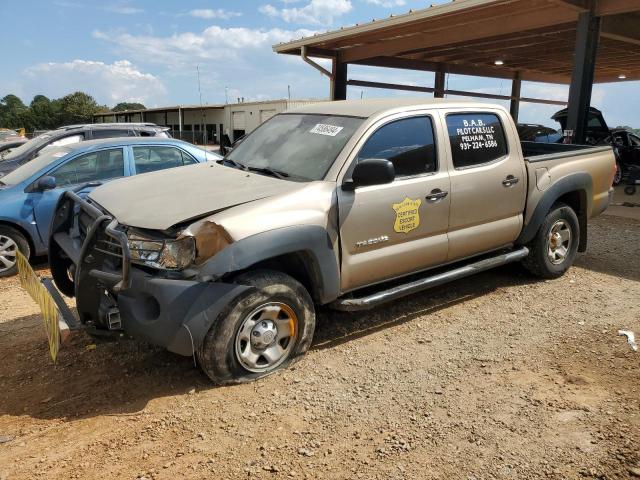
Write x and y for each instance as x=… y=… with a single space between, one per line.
x=635 y=141
x=95 y=166
x=110 y=133
x=151 y=159
x=476 y=139
x=408 y=143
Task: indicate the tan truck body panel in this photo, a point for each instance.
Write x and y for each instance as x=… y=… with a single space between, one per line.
x=478 y=216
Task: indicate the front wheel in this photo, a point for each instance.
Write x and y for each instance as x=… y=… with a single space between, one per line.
x=554 y=248
x=11 y=241
x=265 y=330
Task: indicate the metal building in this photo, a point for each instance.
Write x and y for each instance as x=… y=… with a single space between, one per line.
x=576 y=42
x=205 y=124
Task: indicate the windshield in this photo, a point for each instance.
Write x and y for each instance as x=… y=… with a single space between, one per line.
x=24 y=172
x=34 y=143
x=300 y=146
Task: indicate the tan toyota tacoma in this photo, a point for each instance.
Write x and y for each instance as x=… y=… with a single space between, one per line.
x=346 y=204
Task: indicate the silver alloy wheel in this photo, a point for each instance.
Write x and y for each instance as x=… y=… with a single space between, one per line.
x=8 y=251
x=559 y=243
x=266 y=337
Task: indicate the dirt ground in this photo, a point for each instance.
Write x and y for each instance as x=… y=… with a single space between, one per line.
x=496 y=376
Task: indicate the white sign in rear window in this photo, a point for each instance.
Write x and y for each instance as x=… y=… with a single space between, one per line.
x=329 y=130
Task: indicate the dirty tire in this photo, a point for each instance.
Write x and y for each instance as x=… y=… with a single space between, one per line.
x=630 y=190
x=538 y=262
x=10 y=239
x=218 y=356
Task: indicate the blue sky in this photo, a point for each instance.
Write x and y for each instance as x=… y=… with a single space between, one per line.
x=147 y=51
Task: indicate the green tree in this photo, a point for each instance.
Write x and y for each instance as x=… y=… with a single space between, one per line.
x=122 y=106
x=12 y=112
x=46 y=114
x=77 y=107
x=43 y=114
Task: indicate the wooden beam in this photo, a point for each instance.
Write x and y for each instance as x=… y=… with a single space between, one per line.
x=615 y=7
x=476 y=71
x=623 y=28
x=390 y=86
x=456 y=33
x=459 y=93
x=576 y=5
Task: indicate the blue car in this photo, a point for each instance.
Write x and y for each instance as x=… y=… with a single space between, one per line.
x=29 y=194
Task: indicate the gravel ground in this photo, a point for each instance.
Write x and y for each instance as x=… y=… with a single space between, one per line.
x=496 y=376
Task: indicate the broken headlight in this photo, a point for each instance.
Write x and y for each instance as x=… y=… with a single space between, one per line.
x=169 y=254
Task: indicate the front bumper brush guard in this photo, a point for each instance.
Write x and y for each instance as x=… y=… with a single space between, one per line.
x=119 y=282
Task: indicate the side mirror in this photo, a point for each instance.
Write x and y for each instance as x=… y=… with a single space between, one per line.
x=46 y=183
x=372 y=171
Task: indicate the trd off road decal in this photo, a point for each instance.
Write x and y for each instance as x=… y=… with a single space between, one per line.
x=407 y=215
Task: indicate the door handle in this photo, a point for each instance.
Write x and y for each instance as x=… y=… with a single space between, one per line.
x=436 y=195
x=510 y=180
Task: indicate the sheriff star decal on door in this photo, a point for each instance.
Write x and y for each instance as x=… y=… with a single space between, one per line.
x=407 y=215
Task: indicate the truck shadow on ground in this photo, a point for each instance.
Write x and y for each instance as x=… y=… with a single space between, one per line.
x=612 y=242
x=120 y=378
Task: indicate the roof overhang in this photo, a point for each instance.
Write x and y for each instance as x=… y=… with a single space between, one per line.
x=533 y=38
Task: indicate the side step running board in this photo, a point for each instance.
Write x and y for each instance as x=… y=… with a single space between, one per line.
x=375 y=299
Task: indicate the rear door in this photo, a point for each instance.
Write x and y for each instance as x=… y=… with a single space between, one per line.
x=99 y=166
x=391 y=230
x=151 y=158
x=488 y=181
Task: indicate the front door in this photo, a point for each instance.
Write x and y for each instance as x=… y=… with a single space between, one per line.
x=97 y=166
x=488 y=183
x=391 y=230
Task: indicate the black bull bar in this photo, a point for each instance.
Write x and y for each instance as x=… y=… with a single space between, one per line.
x=65 y=237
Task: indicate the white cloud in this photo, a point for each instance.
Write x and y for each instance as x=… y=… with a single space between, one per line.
x=212 y=44
x=107 y=83
x=316 y=12
x=387 y=3
x=208 y=13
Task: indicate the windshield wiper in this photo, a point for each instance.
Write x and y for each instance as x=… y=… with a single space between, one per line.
x=233 y=163
x=248 y=168
x=269 y=171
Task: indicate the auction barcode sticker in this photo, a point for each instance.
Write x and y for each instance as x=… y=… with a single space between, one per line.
x=322 y=129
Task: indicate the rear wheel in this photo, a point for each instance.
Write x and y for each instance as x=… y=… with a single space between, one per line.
x=11 y=241
x=555 y=246
x=265 y=330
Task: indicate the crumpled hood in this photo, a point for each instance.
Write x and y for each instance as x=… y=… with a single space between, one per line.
x=162 y=199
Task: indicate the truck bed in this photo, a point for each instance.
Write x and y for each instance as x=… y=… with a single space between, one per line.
x=537 y=152
x=548 y=163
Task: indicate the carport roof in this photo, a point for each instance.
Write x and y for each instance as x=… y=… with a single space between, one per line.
x=535 y=38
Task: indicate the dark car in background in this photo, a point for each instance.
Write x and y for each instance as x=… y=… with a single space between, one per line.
x=530 y=132
x=10 y=143
x=75 y=134
x=626 y=144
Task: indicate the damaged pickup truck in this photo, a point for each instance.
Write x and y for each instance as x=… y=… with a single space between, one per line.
x=345 y=204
